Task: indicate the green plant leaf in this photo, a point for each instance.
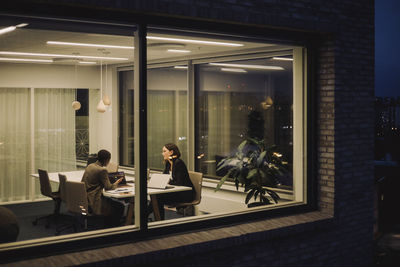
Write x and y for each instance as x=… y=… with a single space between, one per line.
x=249 y=196
x=260 y=159
x=241 y=146
x=223 y=179
x=252 y=173
x=224 y=163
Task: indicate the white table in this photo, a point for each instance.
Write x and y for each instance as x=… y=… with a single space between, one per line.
x=123 y=191
x=74 y=176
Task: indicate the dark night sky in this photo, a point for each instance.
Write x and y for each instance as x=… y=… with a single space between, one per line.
x=387 y=47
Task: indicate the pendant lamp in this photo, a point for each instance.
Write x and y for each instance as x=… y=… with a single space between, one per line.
x=100 y=106
x=76 y=105
x=106 y=98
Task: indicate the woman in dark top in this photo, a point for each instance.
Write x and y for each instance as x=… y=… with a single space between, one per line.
x=179 y=176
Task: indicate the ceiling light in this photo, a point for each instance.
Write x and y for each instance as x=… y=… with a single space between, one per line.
x=26 y=60
x=233 y=70
x=22 y=25
x=89 y=45
x=178 y=51
x=87 y=62
x=192 y=41
x=58 y=55
x=245 y=66
x=11 y=28
x=8 y=29
x=283 y=58
x=181 y=67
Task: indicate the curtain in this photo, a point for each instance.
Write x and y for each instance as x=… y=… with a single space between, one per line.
x=14 y=144
x=160 y=125
x=54 y=130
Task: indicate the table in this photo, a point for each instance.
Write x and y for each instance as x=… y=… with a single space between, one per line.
x=123 y=191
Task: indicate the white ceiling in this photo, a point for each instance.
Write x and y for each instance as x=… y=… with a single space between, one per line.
x=34 y=41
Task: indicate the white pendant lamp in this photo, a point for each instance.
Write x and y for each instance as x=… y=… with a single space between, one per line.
x=76 y=105
x=101 y=108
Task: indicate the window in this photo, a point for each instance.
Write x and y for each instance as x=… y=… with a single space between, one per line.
x=207 y=93
x=226 y=90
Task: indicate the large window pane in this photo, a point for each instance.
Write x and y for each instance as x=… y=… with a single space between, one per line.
x=244 y=99
x=237 y=90
x=58 y=94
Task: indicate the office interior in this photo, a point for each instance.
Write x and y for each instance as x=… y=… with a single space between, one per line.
x=201 y=88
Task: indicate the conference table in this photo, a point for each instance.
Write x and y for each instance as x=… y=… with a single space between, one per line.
x=126 y=191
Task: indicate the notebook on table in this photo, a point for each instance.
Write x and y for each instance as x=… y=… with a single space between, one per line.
x=159 y=180
x=114 y=176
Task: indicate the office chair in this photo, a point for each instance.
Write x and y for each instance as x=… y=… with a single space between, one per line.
x=197 y=180
x=63 y=196
x=45 y=189
x=77 y=203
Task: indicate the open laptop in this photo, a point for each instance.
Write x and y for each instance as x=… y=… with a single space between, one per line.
x=159 y=180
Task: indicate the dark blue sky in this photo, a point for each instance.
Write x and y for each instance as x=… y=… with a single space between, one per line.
x=387 y=47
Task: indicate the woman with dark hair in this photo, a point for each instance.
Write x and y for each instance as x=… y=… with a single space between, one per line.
x=175 y=166
x=96 y=178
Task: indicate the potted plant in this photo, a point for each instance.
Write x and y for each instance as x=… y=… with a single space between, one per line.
x=255 y=166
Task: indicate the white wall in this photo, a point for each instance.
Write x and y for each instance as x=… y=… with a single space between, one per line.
x=103 y=127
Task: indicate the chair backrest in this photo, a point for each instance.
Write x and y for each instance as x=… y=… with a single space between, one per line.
x=62 y=188
x=76 y=197
x=92 y=158
x=45 y=187
x=197 y=180
x=112 y=167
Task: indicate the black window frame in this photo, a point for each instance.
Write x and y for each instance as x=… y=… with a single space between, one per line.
x=308 y=40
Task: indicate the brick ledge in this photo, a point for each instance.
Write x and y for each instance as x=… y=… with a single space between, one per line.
x=184 y=244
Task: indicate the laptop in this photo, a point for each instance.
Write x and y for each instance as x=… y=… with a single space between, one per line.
x=114 y=176
x=159 y=180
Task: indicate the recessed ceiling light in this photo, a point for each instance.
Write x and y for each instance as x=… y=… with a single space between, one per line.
x=58 y=55
x=181 y=67
x=26 y=60
x=178 y=51
x=11 y=28
x=89 y=45
x=283 y=58
x=233 y=70
x=87 y=62
x=190 y=41
x=246 y=66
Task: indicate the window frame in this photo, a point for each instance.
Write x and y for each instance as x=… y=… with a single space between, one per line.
x=307 y=40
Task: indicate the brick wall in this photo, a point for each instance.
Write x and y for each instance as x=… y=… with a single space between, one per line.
x=344 y=139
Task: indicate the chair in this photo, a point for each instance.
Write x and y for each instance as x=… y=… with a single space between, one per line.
x=45 y=189
x=112 y=167
x=92 y=158
x=197 y=180
x=77 y=202
x=63 y=196
x=62 y=188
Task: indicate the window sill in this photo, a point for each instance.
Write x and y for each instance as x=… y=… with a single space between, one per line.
x=168 y=247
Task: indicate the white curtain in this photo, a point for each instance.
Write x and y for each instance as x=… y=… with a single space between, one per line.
x=14 y=144
x=54 y=130
x=160 y=125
